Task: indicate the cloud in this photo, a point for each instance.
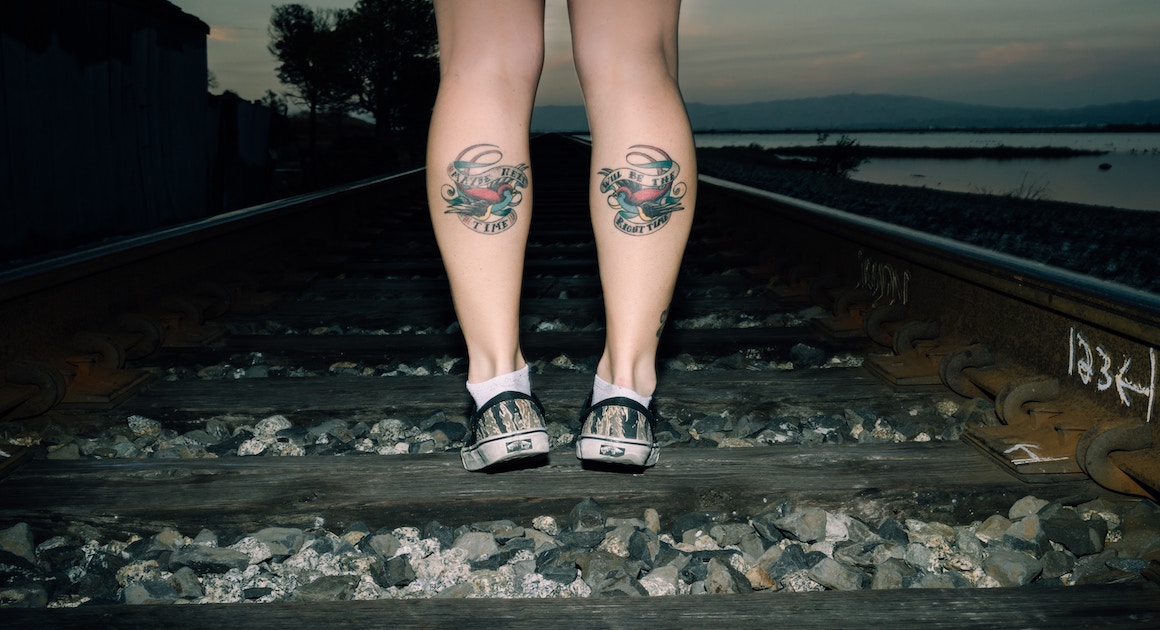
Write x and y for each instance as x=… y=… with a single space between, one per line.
x=1030 y=52
x=837 y=60
x=219 y=33
x=723 y=83
x=1002 y=57
x=697 y=30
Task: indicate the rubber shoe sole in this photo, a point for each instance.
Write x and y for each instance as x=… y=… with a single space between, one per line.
x=505 y=448
x=593 y=448
x=508 y=427
x=617 y=431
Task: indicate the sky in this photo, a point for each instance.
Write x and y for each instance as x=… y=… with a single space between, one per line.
x=1018 y=53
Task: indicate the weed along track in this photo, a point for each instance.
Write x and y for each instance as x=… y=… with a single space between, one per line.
x=261 y=415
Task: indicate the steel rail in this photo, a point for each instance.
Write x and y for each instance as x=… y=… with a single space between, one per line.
x=25 y=278
x=50 y=297
x=1036 y=317
x=1126 y=310
x=1070 y=361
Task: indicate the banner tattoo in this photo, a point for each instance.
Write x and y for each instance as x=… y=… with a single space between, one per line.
x=644 y=193
x=484 y=192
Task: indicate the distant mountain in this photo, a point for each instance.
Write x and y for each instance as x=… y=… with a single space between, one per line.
x=873 y=111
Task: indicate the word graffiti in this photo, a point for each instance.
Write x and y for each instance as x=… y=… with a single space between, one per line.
x=1096 y=366
x=883 y=280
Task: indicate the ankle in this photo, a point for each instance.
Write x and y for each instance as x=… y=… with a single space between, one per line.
x=484 y=367
x=640 y=378
x=517 y=381
x=603 y=390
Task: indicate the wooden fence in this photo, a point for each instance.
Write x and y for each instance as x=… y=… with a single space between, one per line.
x=103 y=121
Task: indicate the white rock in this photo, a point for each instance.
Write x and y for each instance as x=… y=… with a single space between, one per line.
x=367 y=589
x=824 y=546
x=223 y=588
x=1026 y=506
x=144 y=427
x=652 y=520
x=399 y=448
x=922 y=557
x=286 y=449
x=365 y=445
x=960 y=562
x=137 y=571
x=252 y=446
x=267 y=428
x=478 y=545
x=661 y=581
x=257 y=550
x=407 y=534
x=947 y=407
x=389 y=430
x=616 y=541
x=800 y=582
x=546 y=524
x=579 y=588
x=837 y=527
x=536 y=586
x=494 y=584
x=436 y=572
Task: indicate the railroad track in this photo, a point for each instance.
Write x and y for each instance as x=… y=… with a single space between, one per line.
x=813 y=361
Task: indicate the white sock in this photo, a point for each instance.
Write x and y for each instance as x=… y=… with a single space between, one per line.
x=518 y=381
x=603 y=390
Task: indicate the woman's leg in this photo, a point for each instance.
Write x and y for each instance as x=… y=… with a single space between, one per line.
x=478 y=174
x=480 y=194
x=644 y=185
x=642 y=195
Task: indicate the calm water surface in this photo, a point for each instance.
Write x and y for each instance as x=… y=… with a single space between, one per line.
x=1132 y=182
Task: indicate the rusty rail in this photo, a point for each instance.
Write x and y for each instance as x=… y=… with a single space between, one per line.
x=69 y=323
x=1069 y=361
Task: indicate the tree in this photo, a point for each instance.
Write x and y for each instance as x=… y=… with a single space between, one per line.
x=313 y=60
x=839 y=160
x=393 y=56
x=275 y=102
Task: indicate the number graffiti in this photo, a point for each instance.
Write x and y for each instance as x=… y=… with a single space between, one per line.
x=1097 y=367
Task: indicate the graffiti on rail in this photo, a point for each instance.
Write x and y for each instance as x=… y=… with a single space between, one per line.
x=884 y=280
x=1030 y=452
x=1096 y=367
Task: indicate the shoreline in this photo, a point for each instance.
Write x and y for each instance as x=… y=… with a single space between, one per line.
x=1110 y=128
x=1000 y=152
x=1109 y=243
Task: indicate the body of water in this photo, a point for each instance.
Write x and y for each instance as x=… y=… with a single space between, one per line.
x=1132 y=182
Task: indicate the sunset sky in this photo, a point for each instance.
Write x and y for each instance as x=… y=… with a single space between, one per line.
x=1024 y=53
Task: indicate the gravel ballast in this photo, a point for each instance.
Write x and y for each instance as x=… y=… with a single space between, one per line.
x=789 y=548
